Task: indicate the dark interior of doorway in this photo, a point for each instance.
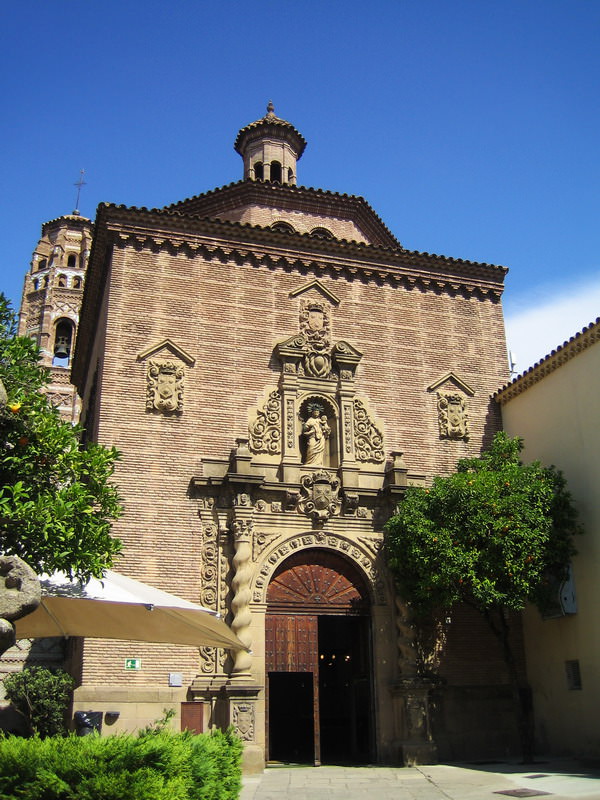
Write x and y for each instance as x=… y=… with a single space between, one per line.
x=291 y=737
x=345 y=704
x=344 y=690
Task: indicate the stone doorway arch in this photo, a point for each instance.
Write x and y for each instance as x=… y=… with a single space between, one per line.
x=318 y=660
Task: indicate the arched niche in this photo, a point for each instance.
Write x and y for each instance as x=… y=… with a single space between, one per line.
x=319 y=418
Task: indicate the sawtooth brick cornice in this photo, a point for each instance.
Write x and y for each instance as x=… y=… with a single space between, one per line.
x=159 y=229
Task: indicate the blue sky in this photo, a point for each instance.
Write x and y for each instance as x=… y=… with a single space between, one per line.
x=471 y=127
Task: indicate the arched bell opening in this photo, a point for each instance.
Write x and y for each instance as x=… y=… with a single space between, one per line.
x=319 y=445
x=63 y=342
x=319 y=661
x=275 y=172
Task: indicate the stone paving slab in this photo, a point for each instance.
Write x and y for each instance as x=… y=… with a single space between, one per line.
x=551 y=780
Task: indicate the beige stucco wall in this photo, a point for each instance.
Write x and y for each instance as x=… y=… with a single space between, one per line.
x=558 y=417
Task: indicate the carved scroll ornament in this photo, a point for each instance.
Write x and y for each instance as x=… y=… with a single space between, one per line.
x=265 y=428
x=368 y=439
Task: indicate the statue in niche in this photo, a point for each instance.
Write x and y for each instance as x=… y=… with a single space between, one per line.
x=316 y=431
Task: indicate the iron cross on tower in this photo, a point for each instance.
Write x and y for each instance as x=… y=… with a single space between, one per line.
x=79 y=184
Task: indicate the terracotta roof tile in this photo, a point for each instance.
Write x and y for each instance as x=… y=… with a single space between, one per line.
x=589 y=335
x=273 y=122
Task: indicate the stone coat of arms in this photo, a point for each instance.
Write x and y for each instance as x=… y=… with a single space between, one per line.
x=320 y=498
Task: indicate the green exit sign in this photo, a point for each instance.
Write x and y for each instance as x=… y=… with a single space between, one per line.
x=133 y=663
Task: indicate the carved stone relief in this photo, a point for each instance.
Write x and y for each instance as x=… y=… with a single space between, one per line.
x=244 y=720
x=290 y=426
x=209 y=570
x=260 y=543
x=164 y=390
x=315 y=328
x=265 y=428
x=318 y=539
x=208 y=660
x=319 y=499
x=214 y=586
x=368 y=439
x=452 y=415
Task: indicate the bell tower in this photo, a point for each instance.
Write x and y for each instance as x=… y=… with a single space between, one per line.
x=271 y=148
x=51 y=300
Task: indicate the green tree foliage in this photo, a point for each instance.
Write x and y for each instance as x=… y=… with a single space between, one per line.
x=41 y=696
x=495 y=534
x=57 y=501
x=160 y=765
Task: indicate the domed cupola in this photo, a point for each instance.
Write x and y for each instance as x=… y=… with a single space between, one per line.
x=270 y=148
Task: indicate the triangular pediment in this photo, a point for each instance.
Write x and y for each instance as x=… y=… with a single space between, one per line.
x=451 y=377
x=320 y=288
x=342 y=348
x=164 y=347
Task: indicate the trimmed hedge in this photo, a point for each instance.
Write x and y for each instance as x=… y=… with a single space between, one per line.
x=153 y=766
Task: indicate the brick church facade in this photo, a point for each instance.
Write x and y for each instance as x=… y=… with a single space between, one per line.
x=275 y=369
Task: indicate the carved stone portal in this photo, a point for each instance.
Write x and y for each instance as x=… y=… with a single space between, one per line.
x=164 y=386
x=319 y=499
x=452 y=416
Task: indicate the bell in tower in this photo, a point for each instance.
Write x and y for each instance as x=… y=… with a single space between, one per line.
x=62 y=341
x=270 y=147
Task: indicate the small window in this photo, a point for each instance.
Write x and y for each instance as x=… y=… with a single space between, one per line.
x=282 y=227
x=43 y=264
x=36 y=284
x=77 y=282
x=61 y=281
x=276 y=171
x=321 y=233
x=258 y=171
x=290 y=175
x=72 y=260
x=573 y=674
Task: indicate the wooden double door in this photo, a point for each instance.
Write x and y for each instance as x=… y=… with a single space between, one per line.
x=318 y=662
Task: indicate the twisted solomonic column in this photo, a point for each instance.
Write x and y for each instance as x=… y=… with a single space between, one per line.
x=240 y=584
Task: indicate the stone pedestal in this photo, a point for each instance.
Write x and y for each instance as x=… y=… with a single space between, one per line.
x=412 y=701
x=233 y=701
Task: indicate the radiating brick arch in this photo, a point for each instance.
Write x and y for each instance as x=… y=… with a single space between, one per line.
x=317 y=581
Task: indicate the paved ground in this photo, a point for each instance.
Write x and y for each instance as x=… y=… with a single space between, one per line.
x=552 y=779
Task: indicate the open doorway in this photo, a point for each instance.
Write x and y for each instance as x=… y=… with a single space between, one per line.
x=291 y=729
x=345 y=708
x=318 y=661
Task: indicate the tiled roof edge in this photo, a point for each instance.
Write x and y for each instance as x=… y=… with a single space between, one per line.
x=247 y=225
x=293 y=188
x=66 y=216
x=588 y=336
